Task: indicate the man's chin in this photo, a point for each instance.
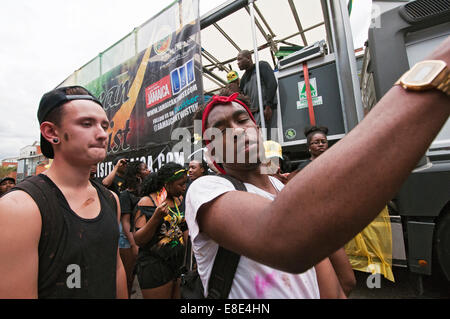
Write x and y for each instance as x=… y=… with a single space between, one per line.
x=97 y=155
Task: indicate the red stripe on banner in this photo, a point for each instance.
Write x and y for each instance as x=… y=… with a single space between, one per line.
x=312 y=118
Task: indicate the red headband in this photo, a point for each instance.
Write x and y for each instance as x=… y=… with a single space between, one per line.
x=217 y=99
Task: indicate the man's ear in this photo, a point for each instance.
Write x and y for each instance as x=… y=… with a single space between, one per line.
x=49 y=131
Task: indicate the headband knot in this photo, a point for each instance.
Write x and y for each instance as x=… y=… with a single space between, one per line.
x=223 y=99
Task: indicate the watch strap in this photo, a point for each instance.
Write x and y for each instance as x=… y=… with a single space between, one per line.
x=444 y=84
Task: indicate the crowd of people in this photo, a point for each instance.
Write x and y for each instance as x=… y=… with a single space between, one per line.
x=153 y=230
x=72 y=235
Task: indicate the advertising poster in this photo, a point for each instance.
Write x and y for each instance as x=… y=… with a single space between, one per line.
x=157 y=91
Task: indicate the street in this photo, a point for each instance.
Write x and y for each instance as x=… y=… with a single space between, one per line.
x=405 y=287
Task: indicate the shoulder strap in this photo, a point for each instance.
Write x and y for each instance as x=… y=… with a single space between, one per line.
x=107 y=194
x=225 y=263
x=44 y=195
x=151 y=198
x=222 y=275
x=238 y=185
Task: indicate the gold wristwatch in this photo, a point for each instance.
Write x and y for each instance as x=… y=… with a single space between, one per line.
x=427 y=75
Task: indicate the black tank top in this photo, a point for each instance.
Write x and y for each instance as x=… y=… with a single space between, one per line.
x=77 y=256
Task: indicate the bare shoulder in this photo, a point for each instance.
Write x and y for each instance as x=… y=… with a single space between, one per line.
x=20 y=230
x=118 y=203
x=19 y=203
x=18 y=209
x=145 y=201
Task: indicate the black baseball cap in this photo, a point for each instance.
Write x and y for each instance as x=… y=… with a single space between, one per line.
x=56 y=98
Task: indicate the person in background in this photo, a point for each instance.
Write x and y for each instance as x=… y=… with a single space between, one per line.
x=249 y=86
x=135 y=173
x=161 y=233
x=6 y=184
x=115 y=180
x=233 y=81
x=274 y=159
x=197 y=169
x=317 y=143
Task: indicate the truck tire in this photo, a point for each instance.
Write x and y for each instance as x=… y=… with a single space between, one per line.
x=442 y=244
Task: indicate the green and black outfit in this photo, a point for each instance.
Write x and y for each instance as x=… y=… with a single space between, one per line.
x=159 y=261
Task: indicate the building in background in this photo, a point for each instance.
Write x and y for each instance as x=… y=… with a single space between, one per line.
x=9 y=167
x=31 y=161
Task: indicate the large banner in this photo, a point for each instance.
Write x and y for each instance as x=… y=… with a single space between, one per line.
x=147 y=97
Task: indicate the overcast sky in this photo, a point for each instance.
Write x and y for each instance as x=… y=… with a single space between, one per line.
x=43 y=42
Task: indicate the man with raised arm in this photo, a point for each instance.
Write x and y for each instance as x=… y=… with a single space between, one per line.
x=282 y=231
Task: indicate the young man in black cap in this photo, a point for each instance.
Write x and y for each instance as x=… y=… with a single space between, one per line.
x=62 y=230
x=6 y=184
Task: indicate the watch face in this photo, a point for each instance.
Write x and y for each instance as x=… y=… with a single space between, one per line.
x=423 y=73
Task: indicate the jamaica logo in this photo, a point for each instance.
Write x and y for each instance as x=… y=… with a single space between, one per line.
x=163 y=45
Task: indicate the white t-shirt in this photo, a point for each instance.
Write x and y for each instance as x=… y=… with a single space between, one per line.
x=252 y=279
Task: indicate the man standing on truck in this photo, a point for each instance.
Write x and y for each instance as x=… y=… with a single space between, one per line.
x=249 y=86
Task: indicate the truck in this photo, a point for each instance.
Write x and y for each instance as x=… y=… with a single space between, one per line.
x=182 y=58
x=420 y=214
